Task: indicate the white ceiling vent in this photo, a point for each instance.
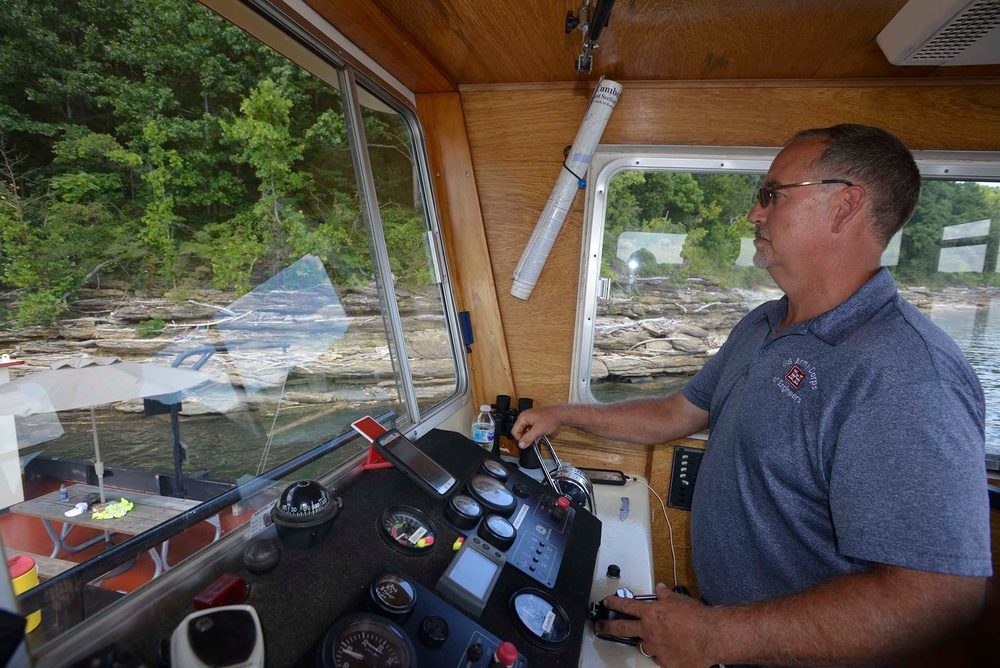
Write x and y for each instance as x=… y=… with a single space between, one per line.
x=943 y=32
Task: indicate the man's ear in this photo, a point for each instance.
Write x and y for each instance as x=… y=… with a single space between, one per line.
x=850 y=208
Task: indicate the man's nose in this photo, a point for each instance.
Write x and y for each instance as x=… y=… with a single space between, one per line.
x=757 y=213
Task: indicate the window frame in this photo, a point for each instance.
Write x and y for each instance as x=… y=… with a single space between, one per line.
x=296 y=31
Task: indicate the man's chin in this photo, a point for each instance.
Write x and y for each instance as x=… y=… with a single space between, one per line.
x=761 y=260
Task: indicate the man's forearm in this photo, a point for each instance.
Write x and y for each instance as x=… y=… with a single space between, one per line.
x=646 y=421
x=860 y=618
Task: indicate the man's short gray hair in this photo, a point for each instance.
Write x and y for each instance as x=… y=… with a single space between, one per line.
x=876 y=160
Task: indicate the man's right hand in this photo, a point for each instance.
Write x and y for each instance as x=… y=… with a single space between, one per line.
x=534 y=423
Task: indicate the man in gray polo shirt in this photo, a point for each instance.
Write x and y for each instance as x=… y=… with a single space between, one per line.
x=841 y=513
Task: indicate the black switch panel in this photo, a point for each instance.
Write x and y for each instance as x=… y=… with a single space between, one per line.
x=683 y=476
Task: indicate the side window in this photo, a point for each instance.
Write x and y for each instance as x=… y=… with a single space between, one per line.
x=190 y=261
x=670 y=266
x=413 y=256
x=677 y=257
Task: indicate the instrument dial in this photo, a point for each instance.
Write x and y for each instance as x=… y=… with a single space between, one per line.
x=407 y=529
x=392 y=596
x=463 y=511
x=492 y=494
x=363 y=640
x=498 y=532
x=540 y=618
x=495 y=469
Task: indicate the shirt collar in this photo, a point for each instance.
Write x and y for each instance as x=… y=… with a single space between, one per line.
x=831 y=327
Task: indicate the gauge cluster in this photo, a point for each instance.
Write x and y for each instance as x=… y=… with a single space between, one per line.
x=498 y=572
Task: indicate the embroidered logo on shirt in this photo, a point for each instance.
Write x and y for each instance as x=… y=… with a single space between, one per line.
x=800 y=376
x=795 y=376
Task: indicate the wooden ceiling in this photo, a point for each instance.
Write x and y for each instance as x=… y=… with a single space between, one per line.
x=442 y=45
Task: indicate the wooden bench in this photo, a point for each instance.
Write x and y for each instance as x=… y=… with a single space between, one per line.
x=48 y=567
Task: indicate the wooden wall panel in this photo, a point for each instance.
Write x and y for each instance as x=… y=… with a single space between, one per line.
x=517 y=138
x=468 y=255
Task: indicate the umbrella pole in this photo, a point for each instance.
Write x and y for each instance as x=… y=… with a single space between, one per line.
x=175 y=428
x=98 y=465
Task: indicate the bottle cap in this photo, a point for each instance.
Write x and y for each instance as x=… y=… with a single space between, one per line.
x=485 y=408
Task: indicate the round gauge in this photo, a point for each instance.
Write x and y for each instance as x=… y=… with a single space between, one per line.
x=463 y=511
x=492 y=494
x=498 y=532
x=494 y=468
x=393 y=596
x=407 y=529
x=540 y=618
x=366 y=640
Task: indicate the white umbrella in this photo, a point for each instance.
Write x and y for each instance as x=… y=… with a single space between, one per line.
x=93 y=381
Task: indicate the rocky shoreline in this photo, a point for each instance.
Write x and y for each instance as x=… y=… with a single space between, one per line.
x=663 y=329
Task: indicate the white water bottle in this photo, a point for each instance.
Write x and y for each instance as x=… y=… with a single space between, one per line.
x=484 y=428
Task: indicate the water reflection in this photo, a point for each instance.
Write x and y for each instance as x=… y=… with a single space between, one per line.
x=976 y=329
x=219 y=447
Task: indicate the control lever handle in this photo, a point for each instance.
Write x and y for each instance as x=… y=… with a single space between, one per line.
x=577 y=483
x=598 y=612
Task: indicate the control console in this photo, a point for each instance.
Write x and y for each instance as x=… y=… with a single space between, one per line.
x=496 y=572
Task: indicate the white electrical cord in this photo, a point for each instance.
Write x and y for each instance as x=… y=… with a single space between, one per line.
x=670 y=528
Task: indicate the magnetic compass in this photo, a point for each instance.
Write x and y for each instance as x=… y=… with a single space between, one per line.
x=365 y=640
x=407 y=529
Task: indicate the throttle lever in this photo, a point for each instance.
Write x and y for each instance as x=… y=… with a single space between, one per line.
x=598 y=612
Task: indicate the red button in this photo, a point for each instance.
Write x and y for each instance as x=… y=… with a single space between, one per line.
x=506 y=654
x=563 y=501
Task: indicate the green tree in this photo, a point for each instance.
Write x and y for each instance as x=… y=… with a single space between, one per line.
x=942 y=203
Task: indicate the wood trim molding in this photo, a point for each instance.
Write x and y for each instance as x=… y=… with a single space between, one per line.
x=367 y=25
x=738 y=83
x=465 y=242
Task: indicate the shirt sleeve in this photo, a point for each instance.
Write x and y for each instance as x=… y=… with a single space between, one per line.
x=700 y=389
x=907 y=482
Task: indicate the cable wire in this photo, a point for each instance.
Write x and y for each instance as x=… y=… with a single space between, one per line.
x=670 y=528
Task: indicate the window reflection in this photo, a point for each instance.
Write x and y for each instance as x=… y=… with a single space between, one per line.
x=197 y=209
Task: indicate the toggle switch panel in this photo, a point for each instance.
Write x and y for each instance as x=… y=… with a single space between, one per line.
x=683 y=476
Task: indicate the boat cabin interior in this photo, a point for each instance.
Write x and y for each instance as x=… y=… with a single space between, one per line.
x=248 y=224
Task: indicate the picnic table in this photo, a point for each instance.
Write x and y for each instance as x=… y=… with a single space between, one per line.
x=149 y=510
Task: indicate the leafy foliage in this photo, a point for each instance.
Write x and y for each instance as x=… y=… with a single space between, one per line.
x=152 y=142
x=710 y=211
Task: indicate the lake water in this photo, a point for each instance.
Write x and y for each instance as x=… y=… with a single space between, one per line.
x=976 y=329
x=229 y=446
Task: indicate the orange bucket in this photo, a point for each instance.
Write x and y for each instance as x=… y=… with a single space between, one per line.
x=24 y=576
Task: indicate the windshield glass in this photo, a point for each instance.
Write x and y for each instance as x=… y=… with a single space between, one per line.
x=192 y=290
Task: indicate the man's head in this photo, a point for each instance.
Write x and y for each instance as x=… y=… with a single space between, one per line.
x=877 y=161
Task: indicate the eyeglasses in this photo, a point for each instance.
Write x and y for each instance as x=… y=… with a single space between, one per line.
x=766 y=194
